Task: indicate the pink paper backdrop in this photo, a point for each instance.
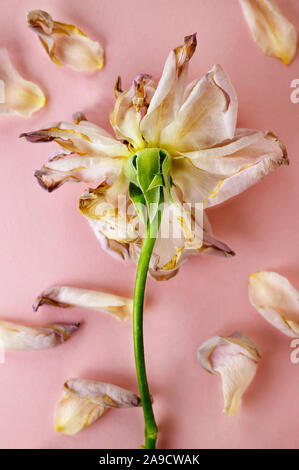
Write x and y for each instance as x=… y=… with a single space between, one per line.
x=45 y=241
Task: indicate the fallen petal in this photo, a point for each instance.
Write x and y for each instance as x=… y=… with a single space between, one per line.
x=66 y=44
x=84 y=401
x=235 y=359
x=272 y=32
x=66 y=296
x=17 y=96
x=15 y=336
x=276 y=300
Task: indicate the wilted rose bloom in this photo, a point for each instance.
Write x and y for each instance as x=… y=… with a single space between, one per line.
x=212 y=160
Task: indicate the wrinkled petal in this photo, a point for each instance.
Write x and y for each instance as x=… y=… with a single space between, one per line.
x=207 y=117
x=276 y=300
x=235 y=359
x=170 y=92
x=89 y=154
x=107 y=209
x=17 y=96
x=129 y=109
x=67 y=167
x=234 y=165
x=84 y=401
x=84 y=138
x=272 y=32
x=66 y=296
x=66 y=44
x=15 y=336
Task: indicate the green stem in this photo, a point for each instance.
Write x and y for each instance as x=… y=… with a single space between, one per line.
x=151 y=429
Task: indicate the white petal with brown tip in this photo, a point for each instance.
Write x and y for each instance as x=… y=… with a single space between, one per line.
x=84 y=401
x=235 y=359
x=66 y=296
x=276 y=300
x=17 y=95
x=271 y=30
x=66 y=44
x=16 y=336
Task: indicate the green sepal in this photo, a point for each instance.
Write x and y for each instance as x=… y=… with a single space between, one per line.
x=138 y=199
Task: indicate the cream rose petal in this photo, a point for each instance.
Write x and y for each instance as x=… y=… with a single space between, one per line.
x=235 y=359
x=66 y=167
x=234 y=165
x=84 y=401
x=170 y=92
x=207 y=116
x=66 y=44
x=84 y=138
x=66 y=296
x=129 y=108
x=272 y=32
x=16 y=336
x=17 y=96
x=276 y=300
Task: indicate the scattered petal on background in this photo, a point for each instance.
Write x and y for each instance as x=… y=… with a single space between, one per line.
x=66 y=44
x=84 y=401
x=15 y=336
x=273 y=33
x=66 y=296
x=17 y=96
x=276 y=300
x=235 y=359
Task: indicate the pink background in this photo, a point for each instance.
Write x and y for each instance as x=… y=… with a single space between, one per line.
x=46 y=241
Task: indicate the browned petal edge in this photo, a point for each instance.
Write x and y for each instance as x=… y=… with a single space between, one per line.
x=78 y=117
x=185 y=52
x=211 y=242
x=284 y=159
x=45 y=300
x=51 y=186
x=140 y=99
x=117 y=87
x=39 y=20
x=37 y=136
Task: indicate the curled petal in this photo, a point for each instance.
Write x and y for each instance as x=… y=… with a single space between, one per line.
x=101 y=393
x=67 y=167
x=170 y=92
x=129 y=108
x=237 y=164
x=15 y=336
x=235 y=359
x=84 y=401
x=276 y=300
x=272 y=32
x=66 y=44
x=66 y=296
x=84 y=138
x=17 y=96
x=206 y=117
